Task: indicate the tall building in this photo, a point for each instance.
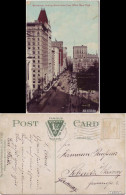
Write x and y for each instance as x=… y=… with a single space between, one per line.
x=91 y=58
x=39 y=42
x=59 y=45
x=64 y=58
x=29 y=82
x=80 y=52
x=44 y=20
x=50 y=75
x=55 y=62
x=81 y=59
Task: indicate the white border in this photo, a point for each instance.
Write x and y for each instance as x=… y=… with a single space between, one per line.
x=98 y=53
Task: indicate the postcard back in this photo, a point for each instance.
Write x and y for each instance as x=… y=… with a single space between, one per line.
x=62 y=153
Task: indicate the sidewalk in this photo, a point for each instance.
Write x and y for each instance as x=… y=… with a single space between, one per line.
x=46 y=95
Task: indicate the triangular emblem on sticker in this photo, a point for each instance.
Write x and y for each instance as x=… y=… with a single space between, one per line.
x=55 y=126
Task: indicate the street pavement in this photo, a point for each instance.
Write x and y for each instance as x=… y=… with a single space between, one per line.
x=54 y=100
x=62 y=99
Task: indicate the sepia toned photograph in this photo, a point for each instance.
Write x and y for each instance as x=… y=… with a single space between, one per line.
x=62 y=56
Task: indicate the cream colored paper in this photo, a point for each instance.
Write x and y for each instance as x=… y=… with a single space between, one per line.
x=62 y=154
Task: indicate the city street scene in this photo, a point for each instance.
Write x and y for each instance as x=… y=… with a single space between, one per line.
x=62 y=57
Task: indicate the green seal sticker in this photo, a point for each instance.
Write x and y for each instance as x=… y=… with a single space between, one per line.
x=55 y=127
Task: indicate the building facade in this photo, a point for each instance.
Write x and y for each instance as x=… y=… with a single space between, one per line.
x=64 y=58
x=81 y=59
x=59 y=45
x=91 y=58
x=55 y=62
x=39 y=43
x=50 y=73
x=80 y=52
x=29 y=82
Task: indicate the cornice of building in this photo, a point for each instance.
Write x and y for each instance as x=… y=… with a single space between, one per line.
x=92 y=55
x=81 y=46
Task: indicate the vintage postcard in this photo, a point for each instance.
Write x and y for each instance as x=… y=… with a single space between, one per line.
x=62 y=56
x=62 y=154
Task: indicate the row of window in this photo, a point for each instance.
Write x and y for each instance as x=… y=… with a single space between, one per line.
x=34 y=32
x=33 y=47
x=38 y=81
x=80 y=55
x=33 y=43
x=57 y=45
x=34 y=75
x=34 y=66
x=42 y=47
x=34 y=70
x=36 y=27
x=37 y=52
x=81 y=51
x=33 y=39
x=36 y=61
x=91 y=60
x=34 y=52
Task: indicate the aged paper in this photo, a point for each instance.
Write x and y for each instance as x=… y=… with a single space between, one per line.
x=62 y=154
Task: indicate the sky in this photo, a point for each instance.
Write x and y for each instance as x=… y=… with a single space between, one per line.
x=75 y=23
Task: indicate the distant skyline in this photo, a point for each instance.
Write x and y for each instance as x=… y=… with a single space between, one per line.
x=74 y=23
